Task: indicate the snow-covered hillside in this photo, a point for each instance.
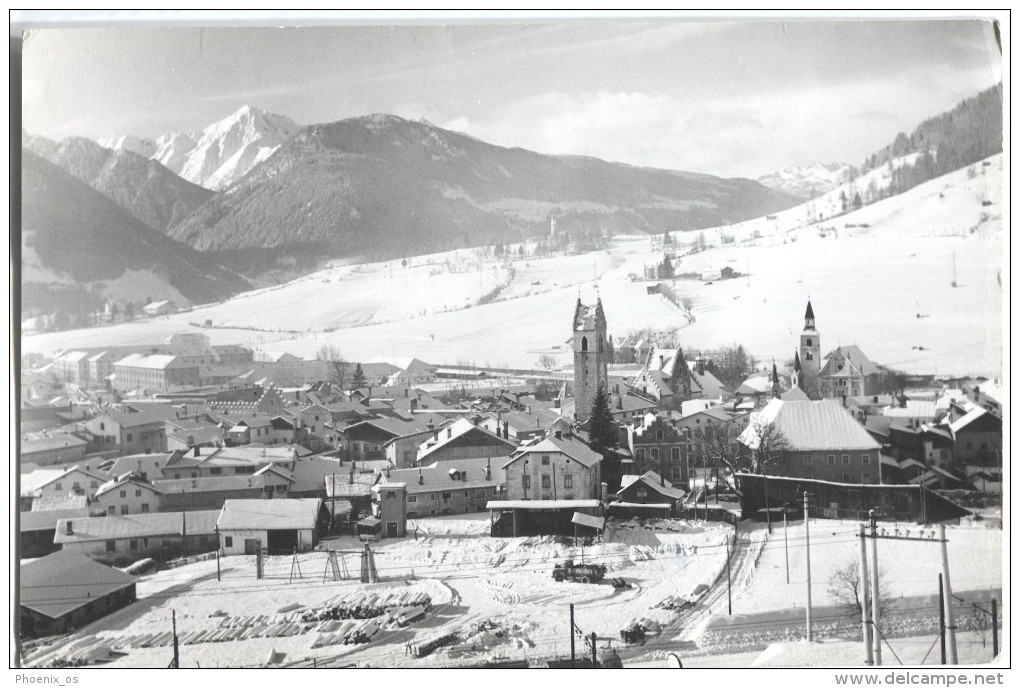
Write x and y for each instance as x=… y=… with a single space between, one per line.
x=880 y=277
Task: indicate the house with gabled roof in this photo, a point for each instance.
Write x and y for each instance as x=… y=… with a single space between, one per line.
x=453 y=486
x=368 y=439
x=557 y=466
x=56 y=449
x=127 y=433
x=277 y=525
x=463 y=439
x=126 y=494
x=826 y=442
x=162 y=536
x=646 y=494
x=64 y=591
x=977 y=438
x=76 y=480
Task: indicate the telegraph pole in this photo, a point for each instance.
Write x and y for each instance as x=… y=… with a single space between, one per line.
x=176 y=664
x=876 y=639
x=594 y=642
x=942 y=619
x=865 y=628
x=786 y=547
x=572 y=630
x=807 y=554
x=995 y=628
x=729 y=594
x=950 y=624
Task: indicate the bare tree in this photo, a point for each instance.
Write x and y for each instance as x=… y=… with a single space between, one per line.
x=722 y=446
x=845 y=588
x=547 y=361
x=768 y=446
x=338 y=365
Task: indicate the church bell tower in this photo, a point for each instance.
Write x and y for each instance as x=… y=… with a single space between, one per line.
x=810 y=353
x=591 y=356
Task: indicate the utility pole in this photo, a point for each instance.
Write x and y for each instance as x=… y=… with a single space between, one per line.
x=786 y=547
x=176 y=664
x=332 y=509
x=594 y=642
x=729 y=594
x=876 y=639
x=942 y=619
x=995 y=628
x=572 y=631
x=950 y=624
x=865 y=628
x=807 y=554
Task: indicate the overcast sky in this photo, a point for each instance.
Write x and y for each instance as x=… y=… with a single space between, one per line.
x=733 y=98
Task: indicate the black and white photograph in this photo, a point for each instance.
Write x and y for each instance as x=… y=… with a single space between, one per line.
x=487 y=340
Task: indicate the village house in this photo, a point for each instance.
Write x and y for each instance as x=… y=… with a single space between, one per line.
x=210 y=492
x=826 y=443
x=157 y=308
x=402 y=451
x=124 y=538
x=147 y=467
x=353 y=488
x=977 y=438
x=65 y=591
x=127 y=433
x=160 y=372
x=72 y=366
x=280 y=526
x=455 y=486
x=657 y=445
x=462 y=439
x=670 y=379
x=368 y=439
x=258 y=428
x=76 y=480
x=647 y=495
x=126 y=494
x=46 y=451
x=557 y=467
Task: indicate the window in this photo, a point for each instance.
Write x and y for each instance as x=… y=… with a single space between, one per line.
x=832 y=459
x=546 y=482
x=545 y=459
x=432 y=512
x=76 y=486
x=281 y=488
x=127 y=437
x=641 y=453
x=465 y=493
x=138 y=493
x=807 y=459
x=846 y=477
x=655 y=453
x=177 y=476
x=846 y=459
x=112 y=511
x=568 y=480
x=111 y=546
x=865 y=458
x=412 y=514
x=58 y=486
x=411 y=499
x=133 y=544
x=145 y=508
x=123 y=493
x=228 y=541
x=432 y=498
x=446 y=496
x=866 y=477
x=123 y=509
x=658 y=434
x=675 y=453
x=642 y=492
x=215 y=471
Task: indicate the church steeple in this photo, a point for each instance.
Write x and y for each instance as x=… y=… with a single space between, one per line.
x=777 y=389
x=809 y=317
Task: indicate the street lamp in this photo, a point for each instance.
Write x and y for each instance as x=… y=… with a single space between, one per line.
x=525 y=479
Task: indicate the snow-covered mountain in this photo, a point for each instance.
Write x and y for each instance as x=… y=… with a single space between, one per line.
x=226 y=150
x=134 y=144
x=807 y=182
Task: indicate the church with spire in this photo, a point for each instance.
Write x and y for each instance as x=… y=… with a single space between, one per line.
x=844 y=372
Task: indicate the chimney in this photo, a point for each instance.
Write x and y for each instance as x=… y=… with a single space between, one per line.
x=196 y=450
x=70 y=527
x=700 y=364
x=556 y=402
x=421 y=478
x=662 y=361
x=559 y=435
x=387 y=470
x=605 y=492
x=406 y=389
x=619 y=403
x=414 y=404
x=506 y=430
x=449 y=433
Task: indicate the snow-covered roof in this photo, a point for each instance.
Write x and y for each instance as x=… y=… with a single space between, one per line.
x=137 y=525
x=36 y=480
x=455 y=473
x=812 y=425
x=569 y=445
x=543 y=504
x=50 y=443
x=966 y=419
x=57 y=584
x=455 y=431
x=269 y=514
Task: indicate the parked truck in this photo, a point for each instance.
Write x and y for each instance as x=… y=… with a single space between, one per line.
x=579 y=573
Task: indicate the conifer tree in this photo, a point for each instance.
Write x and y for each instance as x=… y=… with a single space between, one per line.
x=358 y=380
x=602 y=430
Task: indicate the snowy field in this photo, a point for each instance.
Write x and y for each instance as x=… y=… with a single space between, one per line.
x=496 y=593
x=880 y=277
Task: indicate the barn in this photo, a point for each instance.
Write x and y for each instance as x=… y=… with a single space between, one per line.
x=276 y=525
x=66 y=590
